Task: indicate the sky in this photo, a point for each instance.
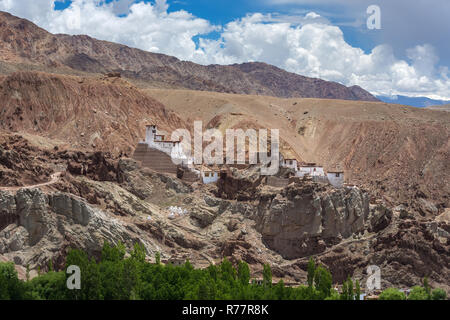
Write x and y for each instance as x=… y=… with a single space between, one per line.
x=329 y=39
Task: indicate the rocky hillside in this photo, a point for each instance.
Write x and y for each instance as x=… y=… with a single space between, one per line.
x=114 y=199
x=100 y=113
x=399 y=153
x=23 y=45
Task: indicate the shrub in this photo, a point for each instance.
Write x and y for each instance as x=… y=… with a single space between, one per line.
x=418 y=293
x=438 y=294
x=392 y=294
x=11 y=288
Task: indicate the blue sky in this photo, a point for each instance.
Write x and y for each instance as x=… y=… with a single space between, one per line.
x=329 y=39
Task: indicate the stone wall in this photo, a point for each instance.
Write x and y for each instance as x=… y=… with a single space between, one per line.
x=277 y=182
x=320 y=179
x=154 y=159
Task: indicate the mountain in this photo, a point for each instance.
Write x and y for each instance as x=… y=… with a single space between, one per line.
x=420 y=102
x=23 y=45
x=445 y=107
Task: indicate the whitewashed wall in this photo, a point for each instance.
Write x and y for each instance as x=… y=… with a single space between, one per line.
x=312 y=171
x=334 y=180
x=213 y=177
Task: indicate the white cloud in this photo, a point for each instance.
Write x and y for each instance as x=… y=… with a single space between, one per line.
x=312 y=15
x=308 y=45
x=320 y=50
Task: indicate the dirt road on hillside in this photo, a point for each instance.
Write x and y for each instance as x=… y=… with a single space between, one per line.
x=53 y=179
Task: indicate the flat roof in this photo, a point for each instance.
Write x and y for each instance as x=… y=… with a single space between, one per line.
x=162 y=141
x=207 y=169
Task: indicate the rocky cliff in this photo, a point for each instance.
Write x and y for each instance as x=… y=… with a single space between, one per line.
x=305 y=219
x=40 y=227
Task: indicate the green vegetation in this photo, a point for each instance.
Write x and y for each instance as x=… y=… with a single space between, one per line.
x=392 y=294
x=418 y=293
x=438 y=294
x=10 y=286
x=115 y=277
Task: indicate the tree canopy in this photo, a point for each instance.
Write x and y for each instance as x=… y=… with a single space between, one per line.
x=118 y=276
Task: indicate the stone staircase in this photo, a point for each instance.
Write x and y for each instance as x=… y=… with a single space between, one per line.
x=154 y=159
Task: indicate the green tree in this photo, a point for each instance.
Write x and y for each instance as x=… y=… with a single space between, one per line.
x=267 y=275
x=11 y=288
x=392 y=294
x=228 y=273
x=158 y=258
x=78 y=258
x=243 y=273
x=438 y=294
x=48 y=286
x=279 y=290
x=50 y=265
x=113 y=253
x=418 y=293
x=323 y=282
x=427 y=287
x=350 y=293
x=213 y=272
x=358 y=290
x=188 y=265
x=116 y=277
x=344 y=294
x=203 y=291
x=138 y=253
x=91 y=282
x=334 y=295
x=311 y=271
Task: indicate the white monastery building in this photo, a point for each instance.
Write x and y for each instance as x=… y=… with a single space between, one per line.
x=209 y=175
x=289 y=163
x=172 y=148
x=156 y=140
x=301 y=169
x=336 y=178
x=311 y=169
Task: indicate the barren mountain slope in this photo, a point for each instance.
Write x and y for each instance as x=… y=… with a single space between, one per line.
x=101 y=113
x=23 y=44
x=398 y=152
